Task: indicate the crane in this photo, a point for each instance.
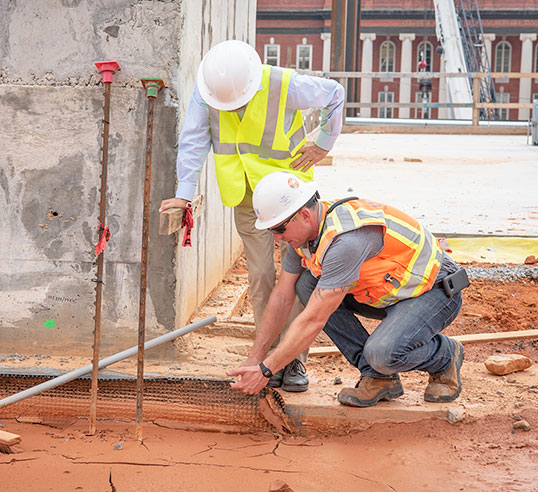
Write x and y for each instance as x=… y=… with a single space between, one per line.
x=459 y=30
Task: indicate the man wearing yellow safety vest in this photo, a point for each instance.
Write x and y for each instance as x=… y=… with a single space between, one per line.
x=251 y=114
x=357 y=256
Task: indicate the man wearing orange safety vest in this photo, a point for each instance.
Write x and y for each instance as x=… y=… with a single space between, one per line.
x=250 y=114
x=355 y=256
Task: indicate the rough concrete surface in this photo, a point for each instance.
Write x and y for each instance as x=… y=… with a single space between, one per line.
x=464 y=184
x=52 y=201
x=51 y=110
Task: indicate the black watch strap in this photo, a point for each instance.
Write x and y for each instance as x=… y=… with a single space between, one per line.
x=265 y=370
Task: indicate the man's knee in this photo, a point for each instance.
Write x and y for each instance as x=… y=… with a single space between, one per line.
x=304 y=286
x=382 y=356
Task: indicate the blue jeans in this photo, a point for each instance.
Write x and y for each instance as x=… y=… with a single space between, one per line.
x=408 y=338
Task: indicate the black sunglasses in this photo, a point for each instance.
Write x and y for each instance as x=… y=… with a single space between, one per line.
x=281 y=228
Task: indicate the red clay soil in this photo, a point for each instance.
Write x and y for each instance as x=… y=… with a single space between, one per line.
x=481 y=455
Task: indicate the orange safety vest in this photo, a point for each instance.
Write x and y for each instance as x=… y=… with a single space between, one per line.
x=406 y=266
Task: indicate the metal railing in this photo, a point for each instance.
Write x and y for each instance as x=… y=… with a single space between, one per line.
x=475 y=79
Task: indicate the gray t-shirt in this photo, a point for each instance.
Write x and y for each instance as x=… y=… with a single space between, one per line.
x=347 y=253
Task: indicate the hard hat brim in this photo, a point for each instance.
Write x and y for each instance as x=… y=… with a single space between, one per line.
x=254 y=85
x=310 y=188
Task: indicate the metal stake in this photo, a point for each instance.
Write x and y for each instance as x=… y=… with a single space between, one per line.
x=152 y=87
x=107 y=69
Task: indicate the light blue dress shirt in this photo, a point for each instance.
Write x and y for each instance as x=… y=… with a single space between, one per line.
x=304 y=92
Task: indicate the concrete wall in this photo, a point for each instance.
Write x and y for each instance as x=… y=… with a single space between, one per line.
x=51 y=109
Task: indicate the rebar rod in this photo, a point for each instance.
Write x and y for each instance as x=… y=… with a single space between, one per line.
x=152 y=86
x=100 y=261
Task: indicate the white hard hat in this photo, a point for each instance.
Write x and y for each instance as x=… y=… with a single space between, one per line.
x=229 y=75
x=278 y=196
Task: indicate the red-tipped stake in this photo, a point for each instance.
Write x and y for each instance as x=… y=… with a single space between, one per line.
x=107 y=70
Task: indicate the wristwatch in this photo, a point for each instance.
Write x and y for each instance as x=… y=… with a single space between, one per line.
x=265 y=370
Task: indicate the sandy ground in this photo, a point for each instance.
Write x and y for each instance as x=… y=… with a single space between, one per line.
x=462 y=183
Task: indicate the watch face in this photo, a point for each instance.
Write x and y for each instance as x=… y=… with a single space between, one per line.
x=265 y=370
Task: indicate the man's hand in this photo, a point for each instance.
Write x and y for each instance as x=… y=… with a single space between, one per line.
x=248 y=379
x=311 y=154
x=173 y=203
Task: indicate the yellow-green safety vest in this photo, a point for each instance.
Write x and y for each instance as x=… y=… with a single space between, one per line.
x=258 y=144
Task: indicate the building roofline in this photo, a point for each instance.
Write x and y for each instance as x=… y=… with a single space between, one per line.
x=378 y=14
x=279 y=14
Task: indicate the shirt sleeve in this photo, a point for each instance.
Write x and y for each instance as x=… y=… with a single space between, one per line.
x=316 y=92
x=292 y=261
x=343 y=260
x=193 y=146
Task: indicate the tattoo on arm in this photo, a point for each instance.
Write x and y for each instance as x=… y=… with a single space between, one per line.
x=319 y=292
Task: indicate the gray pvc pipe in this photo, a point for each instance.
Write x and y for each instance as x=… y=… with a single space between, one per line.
x=70 y=376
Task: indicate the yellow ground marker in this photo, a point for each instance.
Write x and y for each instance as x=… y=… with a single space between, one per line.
x=492 y=249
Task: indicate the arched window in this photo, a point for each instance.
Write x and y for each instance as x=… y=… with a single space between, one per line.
x=503 y=55
x=425 y=54
x=387 y=55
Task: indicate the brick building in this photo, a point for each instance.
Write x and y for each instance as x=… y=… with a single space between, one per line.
x=393 y=34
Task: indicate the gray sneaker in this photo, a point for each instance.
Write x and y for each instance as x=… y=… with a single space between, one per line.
x=275 y=381
x=295 y=379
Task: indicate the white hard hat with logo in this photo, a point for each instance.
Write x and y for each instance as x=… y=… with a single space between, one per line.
x=229 y=75
x=278 y=196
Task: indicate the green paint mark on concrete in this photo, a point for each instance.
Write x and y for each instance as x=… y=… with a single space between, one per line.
x=49 y=324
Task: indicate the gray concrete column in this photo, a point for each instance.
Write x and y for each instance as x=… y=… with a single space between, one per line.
x=488 y=40
x=326 y=63
x=366 y=67
x=444 y=113
x=406 y=64
x=526 y=67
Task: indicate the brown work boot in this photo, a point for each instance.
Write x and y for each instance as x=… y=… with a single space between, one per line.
x=368 y=391
x=447 y=386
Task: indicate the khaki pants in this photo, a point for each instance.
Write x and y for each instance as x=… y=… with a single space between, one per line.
x=259 y=250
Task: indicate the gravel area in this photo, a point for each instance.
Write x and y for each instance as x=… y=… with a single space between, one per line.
x=503 y=273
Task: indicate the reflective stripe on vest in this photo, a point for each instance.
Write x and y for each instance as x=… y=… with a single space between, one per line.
x=405 y=267
x=258 y=143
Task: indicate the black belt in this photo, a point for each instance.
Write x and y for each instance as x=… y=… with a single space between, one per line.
x=454 y=282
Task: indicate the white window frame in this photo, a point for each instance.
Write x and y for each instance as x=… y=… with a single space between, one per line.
x=503 y=98
x=309 y=47
x=429 y=47
x=503 y=44
x=390 y=47
x=419 y=112
x=266 y=56
x=385 y=96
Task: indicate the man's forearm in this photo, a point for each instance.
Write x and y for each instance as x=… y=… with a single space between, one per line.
x=274 y=318
x=193 y=146
x=298 y=338
x=306 y=326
